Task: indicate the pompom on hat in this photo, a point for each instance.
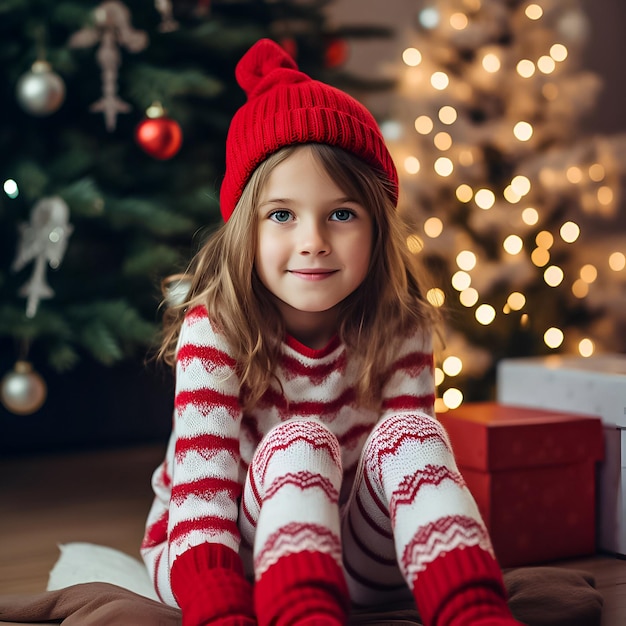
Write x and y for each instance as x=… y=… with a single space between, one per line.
x=285 y=107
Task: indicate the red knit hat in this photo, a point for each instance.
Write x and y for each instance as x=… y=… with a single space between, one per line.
x=285 y=107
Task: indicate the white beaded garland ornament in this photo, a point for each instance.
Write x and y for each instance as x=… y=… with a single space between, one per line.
x=23 y=391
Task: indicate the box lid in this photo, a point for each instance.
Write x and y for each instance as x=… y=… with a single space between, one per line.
x=489 y=436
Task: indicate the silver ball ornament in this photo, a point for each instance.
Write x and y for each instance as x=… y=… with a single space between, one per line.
x=40 y=91
x=23 y=391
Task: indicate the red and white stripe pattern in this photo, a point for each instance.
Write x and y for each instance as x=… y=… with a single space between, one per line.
x=302 y=452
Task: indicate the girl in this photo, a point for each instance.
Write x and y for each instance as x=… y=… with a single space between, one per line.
x=305 y=456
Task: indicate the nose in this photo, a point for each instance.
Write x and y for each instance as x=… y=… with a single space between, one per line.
x=313 y=239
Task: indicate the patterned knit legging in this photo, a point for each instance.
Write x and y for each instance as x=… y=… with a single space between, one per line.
x=408 y=504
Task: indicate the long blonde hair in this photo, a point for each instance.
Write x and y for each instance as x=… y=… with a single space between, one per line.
x=372 y=320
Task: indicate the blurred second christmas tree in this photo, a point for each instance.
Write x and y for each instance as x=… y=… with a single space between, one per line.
x=504 y=190
x=114 y=120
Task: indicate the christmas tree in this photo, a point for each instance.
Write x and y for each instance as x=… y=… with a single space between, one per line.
x=503 y=188
x=111 y=155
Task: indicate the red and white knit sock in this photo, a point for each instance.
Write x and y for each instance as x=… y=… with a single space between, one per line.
x=410 y=490
x=290 y=507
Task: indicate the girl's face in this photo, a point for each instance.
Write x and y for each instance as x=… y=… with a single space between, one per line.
x=314 y=245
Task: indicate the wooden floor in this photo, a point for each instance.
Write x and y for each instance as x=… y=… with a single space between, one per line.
x=103 y=497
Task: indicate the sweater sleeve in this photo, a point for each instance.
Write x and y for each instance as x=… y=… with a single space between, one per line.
x=203 y=537
x=410 y=384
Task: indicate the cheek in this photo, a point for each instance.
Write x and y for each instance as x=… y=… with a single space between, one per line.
x=268 y=254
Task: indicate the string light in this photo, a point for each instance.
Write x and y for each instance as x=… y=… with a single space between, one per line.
x=516 y=301
x=513 y=244
x=525 y=68
x=558 y=52
x=485 y=314
x=586 y=347
x=423 y=125
x=433 y=227
x=546 y=64
x=466 y=260
x=485 y=198
x=605 y=195
x=447 y=115
x=466 y=157
x=412 y=165
x=580 y=289
x=588 y=273
x=617 y=261
x=442 y=141
x=452 y=365
x=414 y=244
x=544 y=239
x=444 y=166
x=439 y=376
x=540 y=257
x=491 y=63
x=439 y=80
x=436 y=296
x=440 y=406
x=553 y=337
x=453 y=398
x=533 y=12
x=510 y=195
x=11 y=189
x=461 y=280
x=459 y=21
x=530 y=216
x=574 y=174
x=464 y=193
x=570 y=231
x=468 y=297
x=412 y=57
x=521 y=185
x=553 y=276
x=523 y=131
x=596 y=172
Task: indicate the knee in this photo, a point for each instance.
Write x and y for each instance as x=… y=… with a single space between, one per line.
x=301 y=441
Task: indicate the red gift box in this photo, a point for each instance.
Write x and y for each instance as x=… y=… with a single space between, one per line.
x=532 y=474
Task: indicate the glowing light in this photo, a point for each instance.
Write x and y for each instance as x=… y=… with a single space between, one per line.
x=596 y=172
x=617 y=261
x=553 y=337
x=453 y=398
x=553 y=275
x=510 y=195
x=521 y=185
x=588 y=273
x=546 y=64
x=423 y=124
x=429 y=17
x=412 y=165
x=513 y=244
x=544 y=239
x=440 y=406
x=433 y=227
x=491 y=63
x=442 y=141
x=10 y=188
x=466 y=157
x=447 y=115
x=525 y=68
x=436 y=296
x=586 y=347
x=439 y=376
x=605 y=195
x=558 y=52
x=485 y=198
x=452 y=366
x=533 y=12
x=485 y=314
x=444 y=166
x=574 y=174
x=530 y=216
x=540 y=257
x=412 y=57
x=414 y=243
x=468 y=297
x=458 y=21
x=466 y=260
x=461 y=280
x=523 y=131
x=516 y=301
x=464 y=193
x=439 y=80
x=570 y=231
x=391 y=130
x=580 y=288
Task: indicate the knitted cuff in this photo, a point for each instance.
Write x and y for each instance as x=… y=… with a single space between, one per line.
x=210 y=588
x=464 y=586
x=302 y=588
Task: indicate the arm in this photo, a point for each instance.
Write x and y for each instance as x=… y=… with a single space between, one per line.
x=203 y=538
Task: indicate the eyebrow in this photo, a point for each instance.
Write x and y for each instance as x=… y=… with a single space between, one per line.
x=341 y=200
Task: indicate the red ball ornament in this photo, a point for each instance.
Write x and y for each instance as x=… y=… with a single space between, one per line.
x=158 y=135
x=337 y=51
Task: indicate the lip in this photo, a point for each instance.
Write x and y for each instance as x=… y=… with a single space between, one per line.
x=312 y=273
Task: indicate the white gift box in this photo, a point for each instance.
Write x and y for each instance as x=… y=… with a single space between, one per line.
x=588 y=386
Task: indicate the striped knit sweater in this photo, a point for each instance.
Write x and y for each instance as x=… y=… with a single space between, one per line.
x=193 y=544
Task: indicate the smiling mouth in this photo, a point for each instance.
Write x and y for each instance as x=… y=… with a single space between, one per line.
x=312 y=274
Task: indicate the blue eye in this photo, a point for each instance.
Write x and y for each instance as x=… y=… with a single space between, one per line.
x=343 y=215
x=280 y=216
